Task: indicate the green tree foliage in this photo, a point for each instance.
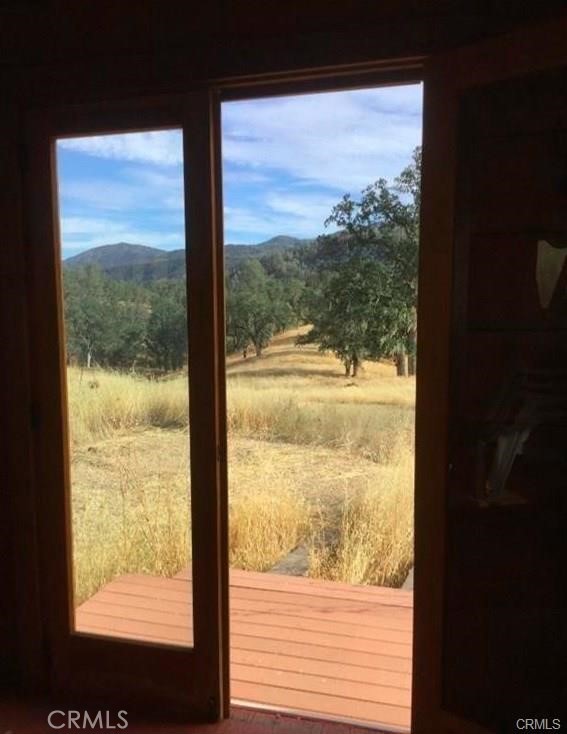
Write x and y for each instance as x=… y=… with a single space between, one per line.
x=122 y=325
x=257 y=307
x=166 y=337
x=357 y=287
x=125 y=347
x=89 y=315
x=346 y=312
x=367 y=303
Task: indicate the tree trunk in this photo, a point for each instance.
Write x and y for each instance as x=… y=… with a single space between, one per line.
x=402 y=364
x=412 y=356
x=89 y=359
x=355 y=366
x=411 y=364
x=347 y=367
x=258 y=348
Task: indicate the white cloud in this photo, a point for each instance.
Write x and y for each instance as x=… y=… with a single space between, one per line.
x=345 y=140
x=163 y=240
x=300 y=216
x=303 y=207
x=239 y=219
x=130 y=188
x=102 y=194
x=286 y=162
x=243 y=176
x=83 y=226
x=163 y=147
x=82 y=233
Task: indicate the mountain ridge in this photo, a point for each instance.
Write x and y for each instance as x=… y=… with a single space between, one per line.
x=138 y=262
x=117 y=252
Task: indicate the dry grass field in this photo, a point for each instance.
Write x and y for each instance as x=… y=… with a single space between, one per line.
x=314 y=458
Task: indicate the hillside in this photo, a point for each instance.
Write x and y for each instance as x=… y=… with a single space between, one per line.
x=115 y=255
x=140 y=263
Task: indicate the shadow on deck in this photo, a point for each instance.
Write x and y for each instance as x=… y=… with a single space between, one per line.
x=315 y=647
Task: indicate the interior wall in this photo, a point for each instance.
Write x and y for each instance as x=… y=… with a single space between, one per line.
x=15 y=448
x=60 y=49
x=65 y=51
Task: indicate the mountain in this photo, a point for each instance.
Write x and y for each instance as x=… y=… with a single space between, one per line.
x=140 y=263
x=111 y=256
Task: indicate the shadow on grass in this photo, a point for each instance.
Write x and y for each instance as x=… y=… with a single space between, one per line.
x=284 y=372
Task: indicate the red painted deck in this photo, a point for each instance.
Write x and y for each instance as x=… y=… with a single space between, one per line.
x=315 y=647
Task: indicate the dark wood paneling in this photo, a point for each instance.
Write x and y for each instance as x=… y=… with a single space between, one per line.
x=505 y=637
x=502 y=286
x=63 y=29
x=478 y=625
x=527 y=105
x=492 y=358
x=506 y=608
x=11 y=482
x=83 y=50
x=526 y=168
x=20 y=627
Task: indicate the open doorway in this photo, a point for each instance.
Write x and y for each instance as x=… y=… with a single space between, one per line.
x=321 y=195
x=322 y=204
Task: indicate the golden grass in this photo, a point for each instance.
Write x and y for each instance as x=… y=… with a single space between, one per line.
x=374 y=543
x=295 y=395
x=312 y=455
x=138 y=524
x=285 y=415
x=102 y=402
x=131 y=510
x=265 y=523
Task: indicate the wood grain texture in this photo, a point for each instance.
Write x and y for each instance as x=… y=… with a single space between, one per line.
x=473 y=640
x=302 y=644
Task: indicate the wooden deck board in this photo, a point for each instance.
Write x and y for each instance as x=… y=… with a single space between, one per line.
x=303 y=644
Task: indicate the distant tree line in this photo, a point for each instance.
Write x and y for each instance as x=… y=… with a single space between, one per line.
x=356 y=287
x=123 y=325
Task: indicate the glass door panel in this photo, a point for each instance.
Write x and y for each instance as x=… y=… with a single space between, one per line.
x=124 y=286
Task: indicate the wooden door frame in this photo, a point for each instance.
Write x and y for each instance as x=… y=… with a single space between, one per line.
x=105 y=116
x=447 y=77
x=452 y=72
x=72 y=661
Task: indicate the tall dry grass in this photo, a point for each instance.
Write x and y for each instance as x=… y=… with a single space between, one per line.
x=134 y=525
x=266 y=523
x=131 y=512
x=103 y=402
x=374 y=538
x=266 y=408
x=132 y=515
x=281 y=415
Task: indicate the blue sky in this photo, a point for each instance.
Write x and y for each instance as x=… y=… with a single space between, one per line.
x=286 y=162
